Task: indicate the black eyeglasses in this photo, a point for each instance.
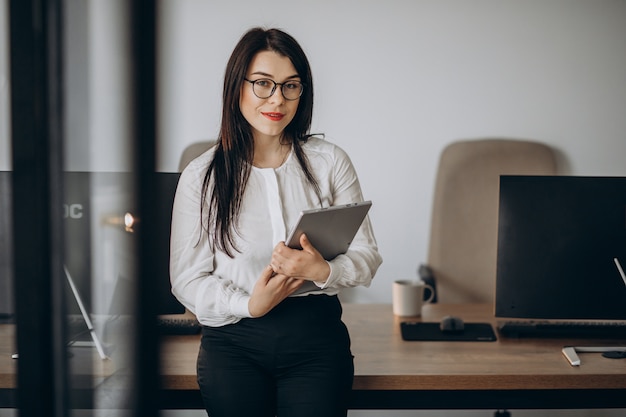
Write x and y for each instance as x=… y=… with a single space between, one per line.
x=265 y=88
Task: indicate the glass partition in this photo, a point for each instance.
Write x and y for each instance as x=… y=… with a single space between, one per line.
x=99 y=200
x=70 y=157
x=7 y=308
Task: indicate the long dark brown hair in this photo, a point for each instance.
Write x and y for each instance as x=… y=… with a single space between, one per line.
x=231 y=164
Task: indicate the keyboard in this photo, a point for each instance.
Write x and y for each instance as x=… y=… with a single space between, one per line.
x=576 y=329
x=178 y=325
x=166 y=325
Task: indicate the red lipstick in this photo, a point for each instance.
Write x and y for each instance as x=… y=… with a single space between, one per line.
x=273 y=116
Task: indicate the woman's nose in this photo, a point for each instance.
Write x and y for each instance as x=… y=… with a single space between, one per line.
x=277 y=97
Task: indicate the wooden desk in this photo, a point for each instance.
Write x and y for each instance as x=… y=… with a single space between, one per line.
x=88 y=369
x=393 y=374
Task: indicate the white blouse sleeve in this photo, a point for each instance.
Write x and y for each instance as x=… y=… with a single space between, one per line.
x=360 y=263
x=214 y=300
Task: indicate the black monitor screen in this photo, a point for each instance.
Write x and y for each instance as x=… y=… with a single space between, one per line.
x=166 y=303
x=99 y=250
x=558 y=241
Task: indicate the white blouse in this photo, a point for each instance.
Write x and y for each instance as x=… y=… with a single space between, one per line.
x=215 y=287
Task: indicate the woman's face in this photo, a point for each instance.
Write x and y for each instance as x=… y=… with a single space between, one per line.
x=268 y=117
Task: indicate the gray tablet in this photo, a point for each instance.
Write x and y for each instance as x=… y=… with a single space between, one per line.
x=329 y=229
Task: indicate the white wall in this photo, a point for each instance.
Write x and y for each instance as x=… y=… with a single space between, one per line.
x=397 y=80
x=97 y=90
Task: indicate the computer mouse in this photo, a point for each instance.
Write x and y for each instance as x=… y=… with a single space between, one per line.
x=451 y=324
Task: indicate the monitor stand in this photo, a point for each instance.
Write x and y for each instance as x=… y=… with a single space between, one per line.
x=83 y=312
x=85 y=316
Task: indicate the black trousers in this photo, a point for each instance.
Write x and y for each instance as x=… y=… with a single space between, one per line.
x=293 y=362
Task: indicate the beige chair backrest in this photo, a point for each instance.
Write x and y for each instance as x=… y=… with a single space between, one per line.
x=464 y=228
x=193 y=151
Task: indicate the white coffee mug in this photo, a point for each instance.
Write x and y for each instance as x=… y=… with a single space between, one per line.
x=408 y=297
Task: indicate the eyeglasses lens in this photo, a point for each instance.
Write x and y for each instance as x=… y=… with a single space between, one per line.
x=265 y=88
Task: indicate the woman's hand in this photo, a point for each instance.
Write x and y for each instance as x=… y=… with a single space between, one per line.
x=307 y=264
x=269 y=290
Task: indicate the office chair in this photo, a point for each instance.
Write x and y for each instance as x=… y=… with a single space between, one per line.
x=193 y=151
x=461 y=263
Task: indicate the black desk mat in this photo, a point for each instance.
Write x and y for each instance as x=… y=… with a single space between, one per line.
x=473 y=332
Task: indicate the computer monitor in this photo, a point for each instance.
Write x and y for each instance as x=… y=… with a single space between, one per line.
x=558 y=238
x=166 y=183
x=99 y=251
x=76 y=211
x=111 y=201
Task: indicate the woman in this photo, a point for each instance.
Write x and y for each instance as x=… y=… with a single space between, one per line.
x=273 y=342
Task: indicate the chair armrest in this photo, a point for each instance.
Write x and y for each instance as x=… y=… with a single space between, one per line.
x=426 y=274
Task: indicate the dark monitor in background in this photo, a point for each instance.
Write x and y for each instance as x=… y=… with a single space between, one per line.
x=558 y=237
x=121 y=300
x=76 y=211
x=77 y=220
x=99 y=251
x=166 y=184
x=115 y=255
